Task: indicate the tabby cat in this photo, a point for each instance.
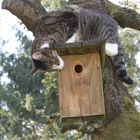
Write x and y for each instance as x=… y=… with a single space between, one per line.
x=82 y=24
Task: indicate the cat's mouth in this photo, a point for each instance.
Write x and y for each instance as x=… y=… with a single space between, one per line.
x=47 y=61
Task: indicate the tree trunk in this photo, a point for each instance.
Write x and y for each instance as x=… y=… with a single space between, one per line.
x=121 y=115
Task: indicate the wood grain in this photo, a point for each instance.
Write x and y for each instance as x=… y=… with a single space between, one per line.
x=81 y=94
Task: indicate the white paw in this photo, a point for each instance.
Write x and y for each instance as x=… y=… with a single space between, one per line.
x=45 y=45
x=57 y=67
x=111 y=49
x=61 y=64
x=72 y=39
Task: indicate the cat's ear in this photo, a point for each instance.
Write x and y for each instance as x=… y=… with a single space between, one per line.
x=38 y=56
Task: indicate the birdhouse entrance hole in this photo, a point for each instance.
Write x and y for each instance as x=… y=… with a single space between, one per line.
x=78 y=68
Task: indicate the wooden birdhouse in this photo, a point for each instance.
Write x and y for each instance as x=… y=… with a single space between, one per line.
x=80 y=81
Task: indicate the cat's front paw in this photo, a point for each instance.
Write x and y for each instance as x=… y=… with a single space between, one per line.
x=61 y=62
x=111 y=49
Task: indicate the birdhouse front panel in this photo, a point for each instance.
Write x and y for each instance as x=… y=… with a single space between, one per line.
x=80 y=86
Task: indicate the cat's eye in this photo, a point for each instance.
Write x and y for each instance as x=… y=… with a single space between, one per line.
x=48 y=62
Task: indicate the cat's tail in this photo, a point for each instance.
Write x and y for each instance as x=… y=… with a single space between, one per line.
x=120 y=68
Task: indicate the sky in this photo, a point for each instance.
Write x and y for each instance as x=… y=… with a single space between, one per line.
x=9 y=23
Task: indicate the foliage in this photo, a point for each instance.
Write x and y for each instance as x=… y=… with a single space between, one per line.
x=130 y=4
x=131 y=118
x=51 y=93
x=53 y=4
x=24 y=112
x=130 y=41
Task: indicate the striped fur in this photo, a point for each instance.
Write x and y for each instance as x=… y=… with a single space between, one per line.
x=87 y=24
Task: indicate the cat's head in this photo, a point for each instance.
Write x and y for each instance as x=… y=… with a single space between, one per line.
x=42 y=60
x=46 y=59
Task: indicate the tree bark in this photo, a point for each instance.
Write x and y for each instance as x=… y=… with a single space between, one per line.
x=118 y=103
x=29 y=11
x=125 y=17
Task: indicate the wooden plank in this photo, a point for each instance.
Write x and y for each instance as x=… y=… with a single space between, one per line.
x=76 y=48
x=80 y=93
x=102 y=55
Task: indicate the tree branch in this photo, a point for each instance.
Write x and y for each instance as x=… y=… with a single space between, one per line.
x=125 y=17
x=26 y=10
x=30 y=10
